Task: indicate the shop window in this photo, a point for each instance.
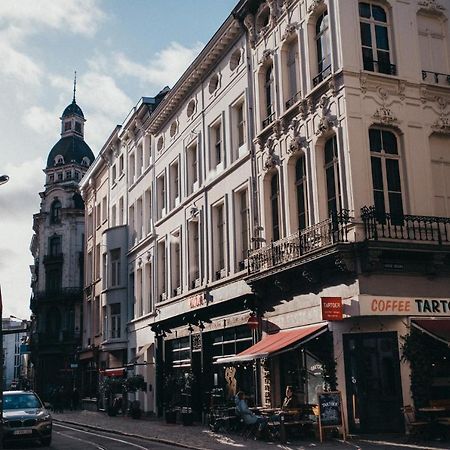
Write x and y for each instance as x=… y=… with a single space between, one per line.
x=375 y=37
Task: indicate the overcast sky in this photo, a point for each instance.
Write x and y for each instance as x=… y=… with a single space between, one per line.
x=121 y=50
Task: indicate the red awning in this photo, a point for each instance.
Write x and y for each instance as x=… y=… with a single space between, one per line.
x=117 y=372
x=437 y=328
x=280 y=342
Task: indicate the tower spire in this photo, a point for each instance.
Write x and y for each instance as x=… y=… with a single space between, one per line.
x=74 y=85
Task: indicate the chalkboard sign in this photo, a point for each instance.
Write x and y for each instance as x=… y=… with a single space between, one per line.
x=330 y=412
x=330 y=407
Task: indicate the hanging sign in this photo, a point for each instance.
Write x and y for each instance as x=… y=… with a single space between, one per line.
x=332 y=308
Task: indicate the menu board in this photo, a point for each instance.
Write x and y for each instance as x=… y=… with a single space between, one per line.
x=330 y=409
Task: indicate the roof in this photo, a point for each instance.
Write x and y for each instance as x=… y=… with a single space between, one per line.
x=73 y=109
x=72 y=149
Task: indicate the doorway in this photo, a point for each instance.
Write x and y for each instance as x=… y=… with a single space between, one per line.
x=372 y=373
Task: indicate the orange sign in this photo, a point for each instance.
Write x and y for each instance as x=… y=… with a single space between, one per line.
x=332 y=308
x=197 y=300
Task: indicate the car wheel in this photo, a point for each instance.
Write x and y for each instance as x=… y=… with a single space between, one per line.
x=46 y=441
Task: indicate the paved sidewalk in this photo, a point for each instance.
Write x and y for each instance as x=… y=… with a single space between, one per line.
x=193 y=437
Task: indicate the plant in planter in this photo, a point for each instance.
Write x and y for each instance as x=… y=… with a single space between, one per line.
x=135 y=383
x=110 y=386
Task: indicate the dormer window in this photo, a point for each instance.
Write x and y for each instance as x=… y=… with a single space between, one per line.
x=85 y=161
x=67 y=126
x=59 y=160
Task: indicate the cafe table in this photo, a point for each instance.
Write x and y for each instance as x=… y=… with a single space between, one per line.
x=431 y=414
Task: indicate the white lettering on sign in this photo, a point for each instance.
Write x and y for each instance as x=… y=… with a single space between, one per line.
x=403 y=306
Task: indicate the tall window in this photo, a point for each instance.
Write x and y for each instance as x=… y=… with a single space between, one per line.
x=55 y=212
x=115 y=267
x=216 y=142
x=375 y=38
x=301 y=189
x=331 y=167
x=244 y=218
x=275 y=206
x=194 y=253
x=161 y=195
x=115 y=320
x=385 y=159
x=220 y=229
x=292 y=74
x=191 y=154
x=323 y=47
x=55 y=246
x=162 y=270
x=175 y=263
x=174 y=184
x=269 y=96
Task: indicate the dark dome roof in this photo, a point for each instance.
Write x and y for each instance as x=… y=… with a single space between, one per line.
x=72 y=109
x=72 y=149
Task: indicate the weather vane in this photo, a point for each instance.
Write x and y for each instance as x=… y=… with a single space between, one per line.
x=74 y=85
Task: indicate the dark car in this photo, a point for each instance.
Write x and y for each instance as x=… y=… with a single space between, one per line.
x=25 y=417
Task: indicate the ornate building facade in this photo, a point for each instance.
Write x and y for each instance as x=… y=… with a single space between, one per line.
x=58 y=250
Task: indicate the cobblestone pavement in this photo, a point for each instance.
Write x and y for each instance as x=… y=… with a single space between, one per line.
x=198 y=437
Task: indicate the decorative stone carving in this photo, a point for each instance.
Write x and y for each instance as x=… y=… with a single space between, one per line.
x=303 y=109
x=310 y=105
x=332 y=86
x=442 y=123
x=274 y=12
x=298 y=142
x=277 y=128
x=432 y=6
x=314 y=5
x=290 y=30
x=266 y=56
x=325 y=125
x=401 y=90
x=384 y=116
x=363 y=84
x=272 y=160
x=249 y=23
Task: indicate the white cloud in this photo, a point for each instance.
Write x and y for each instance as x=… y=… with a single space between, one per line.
x=164 y=69
x=41 y=120
x=72 y=16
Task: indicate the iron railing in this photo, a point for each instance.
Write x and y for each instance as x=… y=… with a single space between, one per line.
x=303 y=242
x=268 y=120
x=382 y=225
x=322 y=75
x=293 y=100
x=68 y=292
x=438 y=78
x=380 y=67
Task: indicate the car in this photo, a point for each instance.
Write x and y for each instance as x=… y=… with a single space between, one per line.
x=25 y=417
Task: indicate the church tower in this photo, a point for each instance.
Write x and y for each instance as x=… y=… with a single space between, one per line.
x=57 y=247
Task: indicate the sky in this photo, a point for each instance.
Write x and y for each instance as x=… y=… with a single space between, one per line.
x=121 y=50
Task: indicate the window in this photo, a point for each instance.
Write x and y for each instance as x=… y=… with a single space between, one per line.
x=132 y=225
x=385 y=161
x=244 y=212
x=231 y=341
x=68 y=174
x=194 y=253
x=239 y=129
x=174 y=184
x=53 y=279
x=190 y=108
x=104 y=209
x=138 y=310
x=131 y=168
x=440 y=171
x=323 y=48
x=139 y=219
x=78 y=127
x=55 y=212
x=90 y=224
x=59 y=160
x=114 y=216
x=97 y=261
x=301 y=191
x=292 y=83
x=213 y=83
x=161 y=195
x=98 y=218
x=148 y=211
x=192 y=167
x=148 y=288
x=121 y=168
x=176 y=263
x=160 y=144
x=121 y=211
x=139 y=160
x=275 y=206
x=269 y=96
x=173 y=128
x=375 y=39
x=67 y=126
x=85 y=161
x=235 y=59
x=220 y=237
x=331 y=168
x=77 y=175
x=115 y=267
x=115 y=320
x=216 y=144
x=55 y=246
x=60 y=176
x=162 y=270
x=104 y=271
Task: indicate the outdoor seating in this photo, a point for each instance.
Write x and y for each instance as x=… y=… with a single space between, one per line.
x=416 y=428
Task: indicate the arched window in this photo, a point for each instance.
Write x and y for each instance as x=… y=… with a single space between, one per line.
x=59 y=160
x=323 y=48
x=385 y=161
x=375 y=31
x=55 y=246
x=334 y=200
x=85 y=161
x=301 y=190
x=275 y=206
x=55 y=212
x=269 y=96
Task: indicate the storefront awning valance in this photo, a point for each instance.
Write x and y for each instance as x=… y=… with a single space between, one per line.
x=437 y=328
x=273 y=344
x=117 y=372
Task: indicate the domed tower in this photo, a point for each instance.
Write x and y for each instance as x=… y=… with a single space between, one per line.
x=57 y=247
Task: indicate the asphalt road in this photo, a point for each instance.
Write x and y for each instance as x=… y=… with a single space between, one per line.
x=67 y=437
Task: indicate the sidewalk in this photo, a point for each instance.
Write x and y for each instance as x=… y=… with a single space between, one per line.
x=193 y=437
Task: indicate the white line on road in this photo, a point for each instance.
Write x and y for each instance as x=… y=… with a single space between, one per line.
x=396 y=444
x=103 y=436
x=99 y=447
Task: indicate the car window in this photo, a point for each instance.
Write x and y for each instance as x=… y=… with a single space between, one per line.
x=20 y=401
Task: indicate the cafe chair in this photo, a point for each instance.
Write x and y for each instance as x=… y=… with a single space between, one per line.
x=247 y=430
x=415 y=428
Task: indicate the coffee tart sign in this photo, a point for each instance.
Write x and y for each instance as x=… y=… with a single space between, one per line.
x=370 y=305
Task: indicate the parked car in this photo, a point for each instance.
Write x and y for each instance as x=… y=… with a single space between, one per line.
x=25 y=418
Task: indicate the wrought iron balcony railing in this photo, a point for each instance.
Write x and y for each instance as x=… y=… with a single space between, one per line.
x=303 y=242
x=49 y=294
x=322 y=75
x=268 y=120
x=381 y=225
x=436 y=77
x=293 y=100
x=380 y=67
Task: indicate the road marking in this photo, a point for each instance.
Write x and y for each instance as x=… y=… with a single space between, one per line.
x=99 y=447
x=103 y=436
x=395 y=444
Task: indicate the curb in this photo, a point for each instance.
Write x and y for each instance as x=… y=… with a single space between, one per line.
x=123 y=433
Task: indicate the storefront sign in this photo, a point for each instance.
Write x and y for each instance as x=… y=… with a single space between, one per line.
x=403 y=306
x=197 y=300
x=331 y=414
x=332 y=308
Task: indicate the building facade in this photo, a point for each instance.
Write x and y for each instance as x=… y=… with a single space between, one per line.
x=58 y=250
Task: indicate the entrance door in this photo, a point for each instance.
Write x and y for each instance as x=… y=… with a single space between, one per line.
x=372 y=373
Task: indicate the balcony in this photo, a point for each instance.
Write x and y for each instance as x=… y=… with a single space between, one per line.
x=412 y=228
x=380 y=67
x=75 y=293
x=268 y=120
x=322 y=75
x=56 y=258
x=441 y=79
x=293 y=100
x=300 y=244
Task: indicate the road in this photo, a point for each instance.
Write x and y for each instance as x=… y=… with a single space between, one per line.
x=67 y=437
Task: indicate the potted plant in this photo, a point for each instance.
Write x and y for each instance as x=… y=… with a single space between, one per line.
x=187 y=416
